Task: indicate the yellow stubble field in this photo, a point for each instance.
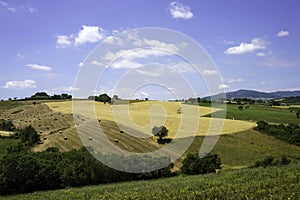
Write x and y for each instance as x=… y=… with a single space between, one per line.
x=143 y=116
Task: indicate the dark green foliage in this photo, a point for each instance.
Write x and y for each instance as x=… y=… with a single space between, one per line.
x=160 y=132
x=241 y=107
x=102 y=98
x=45 y=96
x=292 y=100
x=29 y=135
x=256 y=183
x=21 y=172
x=193 y=164
x=270 y=161
x=289 y=133
x=6 y=125
x=298 y=114
x=40 y=95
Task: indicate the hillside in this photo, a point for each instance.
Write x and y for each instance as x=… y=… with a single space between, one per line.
x=252 y=94
x=259 y=183
x=57 y=123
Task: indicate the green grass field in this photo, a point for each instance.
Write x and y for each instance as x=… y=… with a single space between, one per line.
x=243 y=149
x=259 y=183
x=260 y=112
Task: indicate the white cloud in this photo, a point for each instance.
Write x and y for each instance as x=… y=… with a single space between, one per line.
x=7 y=6
x=228 y=42
x=20 y=84
x=223 y=86
x=31 y=10
x=39 y=67
x=125 y=64
x=157 y=44
x=2 y=3
x=255 y=44
x=20 y=56
x=180 y=11
x=69 y=89
x=232 y=80
x=95 y=62
x=114 y=40
x=80 y=64
x=208 y=72
x=135 y=53
x=11 y=9
x=89 y=34
x=275 y=62
x=260 y=54
x=182 y=67
x=149 y=73
x=283 y=33
x=63 y=41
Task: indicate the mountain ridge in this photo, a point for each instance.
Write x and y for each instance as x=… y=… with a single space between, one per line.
x=253 y=94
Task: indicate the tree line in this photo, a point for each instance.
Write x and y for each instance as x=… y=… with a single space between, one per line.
x=289 y=133
x=23 y=171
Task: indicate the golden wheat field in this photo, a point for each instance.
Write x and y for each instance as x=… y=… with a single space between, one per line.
x=142 y=116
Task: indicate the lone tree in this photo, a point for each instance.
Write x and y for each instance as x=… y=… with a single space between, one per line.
x=160 y=132
x=241 y=107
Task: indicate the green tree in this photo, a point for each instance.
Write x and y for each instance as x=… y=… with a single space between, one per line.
x=193 y=164
x=29 y=134
x=40 y=95
x=160 y=132
x=103 y=98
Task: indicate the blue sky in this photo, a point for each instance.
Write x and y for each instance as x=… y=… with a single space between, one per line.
x=255 y=44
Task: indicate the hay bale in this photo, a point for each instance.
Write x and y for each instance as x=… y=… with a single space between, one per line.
x=116 y=140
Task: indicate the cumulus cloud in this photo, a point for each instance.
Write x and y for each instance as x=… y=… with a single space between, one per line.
x=180 y=11
x=113 y=40
x=255 y=44
x=157 y=44
x=20 y=84
x=223 y=86
x=283 y=33
x=125 y=64
x=63 y=41
x=89 y=34
x=39 y=67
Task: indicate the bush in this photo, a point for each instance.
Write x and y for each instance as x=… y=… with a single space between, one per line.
x=193 y=164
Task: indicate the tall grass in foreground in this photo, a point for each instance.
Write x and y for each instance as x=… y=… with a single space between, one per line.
x=259 y=183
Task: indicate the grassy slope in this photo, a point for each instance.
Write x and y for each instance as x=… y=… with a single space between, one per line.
x=244 y=148
x=270 y=183
x=259 y=112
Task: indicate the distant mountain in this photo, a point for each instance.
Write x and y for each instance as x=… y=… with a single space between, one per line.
x=252 y=94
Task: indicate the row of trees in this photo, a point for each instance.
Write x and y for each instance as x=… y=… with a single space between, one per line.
x=45 y=96
x=289 y=133
x=270 y=161
x=24 y=171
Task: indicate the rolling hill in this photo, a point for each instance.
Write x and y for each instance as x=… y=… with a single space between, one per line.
x=252 y=94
